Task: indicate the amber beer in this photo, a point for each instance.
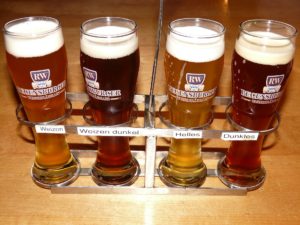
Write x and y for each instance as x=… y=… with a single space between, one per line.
x=193 y=64
x=261 y=64
x=110 y=62
x=37 y=62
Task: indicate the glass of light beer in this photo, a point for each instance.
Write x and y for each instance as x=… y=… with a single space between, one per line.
x=110 y=61
x=193 y=65
x=261 y=64
x=37 y=62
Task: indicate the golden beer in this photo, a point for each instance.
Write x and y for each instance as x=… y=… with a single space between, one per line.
x=193 y=65
x=37 y=62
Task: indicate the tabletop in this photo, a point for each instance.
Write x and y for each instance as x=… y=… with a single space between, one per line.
x=277 y=202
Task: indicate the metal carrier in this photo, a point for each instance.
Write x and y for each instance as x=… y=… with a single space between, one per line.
x=149 y=154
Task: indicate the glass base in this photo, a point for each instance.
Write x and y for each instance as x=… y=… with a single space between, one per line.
x=241 y=179
x=123 y=176
x=188 y=178
x=56 y=177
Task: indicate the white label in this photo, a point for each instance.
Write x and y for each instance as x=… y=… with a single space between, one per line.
x=50 y=129
x=103 y=131
x=239 y=136
x=187 y=134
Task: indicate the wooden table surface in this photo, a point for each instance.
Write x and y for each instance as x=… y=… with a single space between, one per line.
x=277 y=202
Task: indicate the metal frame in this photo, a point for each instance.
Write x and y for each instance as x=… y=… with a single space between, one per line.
x=148 y=158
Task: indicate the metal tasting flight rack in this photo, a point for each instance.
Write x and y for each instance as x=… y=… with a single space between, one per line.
x=148 y=156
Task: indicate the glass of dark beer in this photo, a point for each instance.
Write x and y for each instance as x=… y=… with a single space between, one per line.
x=110 y=61
x=37 y=62
x=261 y=64
x=193 y=65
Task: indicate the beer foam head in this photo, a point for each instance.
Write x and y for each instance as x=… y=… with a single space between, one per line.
x=265 y=48
x=32 y=38
x=195 y=44
x=109 y=42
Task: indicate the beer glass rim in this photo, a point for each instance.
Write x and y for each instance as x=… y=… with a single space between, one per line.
x=293 y=30
x=109 y=19
x=218 y=34
x=31 y=34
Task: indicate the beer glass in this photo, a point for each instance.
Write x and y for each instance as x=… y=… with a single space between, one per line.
x=110 y=61
x=261 y=64
x=37 y=62
x=193 y=65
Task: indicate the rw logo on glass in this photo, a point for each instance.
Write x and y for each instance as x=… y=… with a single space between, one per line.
x=91 y=77
x=194 y=82
x=40 y=78
x=273 y=83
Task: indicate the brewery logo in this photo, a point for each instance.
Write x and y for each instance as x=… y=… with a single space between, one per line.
x=91 y=77
x=194 y=82
x=273 y=83
x=41 y=79
x=93 y=87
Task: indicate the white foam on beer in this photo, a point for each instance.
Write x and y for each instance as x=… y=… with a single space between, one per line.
x=27 y=39
x=98 y=44
x=273 y=49
x=197 y=45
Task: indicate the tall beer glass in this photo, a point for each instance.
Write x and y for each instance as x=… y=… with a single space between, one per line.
x=261 y=64
x=37 y=62
x=110 y=63
x=193 y=65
